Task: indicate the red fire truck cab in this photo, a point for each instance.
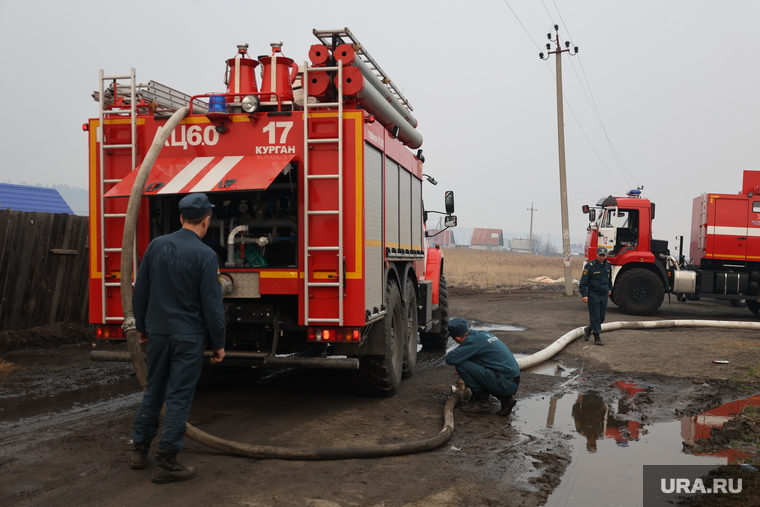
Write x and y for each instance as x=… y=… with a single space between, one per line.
x=724 y=251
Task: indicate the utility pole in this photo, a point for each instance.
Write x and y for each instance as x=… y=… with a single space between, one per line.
x=561 y=137
x=532 y=249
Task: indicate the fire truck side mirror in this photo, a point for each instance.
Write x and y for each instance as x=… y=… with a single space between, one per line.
x=450 y=221
x=591 y=215
x=652 y=210
x=585 y=209
x=449 y=199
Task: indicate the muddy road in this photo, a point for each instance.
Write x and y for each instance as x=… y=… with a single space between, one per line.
x=65 y=423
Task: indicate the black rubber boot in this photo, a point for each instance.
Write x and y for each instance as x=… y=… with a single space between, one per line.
x=168 y=470
x=140 y=454
x=507 y=404
x=587 y=333
x=597 y=340
x=480 y=403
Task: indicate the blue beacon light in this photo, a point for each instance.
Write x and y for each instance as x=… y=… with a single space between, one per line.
x=217 y=104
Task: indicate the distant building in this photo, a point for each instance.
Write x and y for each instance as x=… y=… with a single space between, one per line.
x=28 y=198
x=444 y=239
x=487 y=239
x=577 y=248
x=521 y=245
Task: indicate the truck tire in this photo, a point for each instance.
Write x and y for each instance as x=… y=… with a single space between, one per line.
x=754 y=306
x=411 y=325
x=440 y=339
x=381 y=375
x=638 y=292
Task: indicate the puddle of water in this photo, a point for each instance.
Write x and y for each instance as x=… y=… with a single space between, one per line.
x=609 y=445
x=551 y=367
x=490 y=327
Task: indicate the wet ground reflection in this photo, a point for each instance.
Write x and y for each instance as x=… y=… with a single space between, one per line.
x=611 y=440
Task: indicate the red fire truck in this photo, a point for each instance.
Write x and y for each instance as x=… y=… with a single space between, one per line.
x=724 y=249
x=318 y=223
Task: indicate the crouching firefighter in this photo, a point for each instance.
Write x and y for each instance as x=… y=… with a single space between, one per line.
x=486 y=366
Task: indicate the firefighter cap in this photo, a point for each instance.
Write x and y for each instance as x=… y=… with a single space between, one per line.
x=601 y=250
x=457 y=328
x=194 y=206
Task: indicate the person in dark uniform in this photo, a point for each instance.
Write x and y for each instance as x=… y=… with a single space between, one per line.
x=486 y=365
x=590 y=415
x=595 y=287
x=177 y=299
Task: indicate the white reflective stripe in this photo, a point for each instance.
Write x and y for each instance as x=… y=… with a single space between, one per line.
x=732 y=231
x=216 y=173
x=182 y=178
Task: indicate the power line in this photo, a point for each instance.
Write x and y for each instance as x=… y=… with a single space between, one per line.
x=592 y=102
x=594 y=109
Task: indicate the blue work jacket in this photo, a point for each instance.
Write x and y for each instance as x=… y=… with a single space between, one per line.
x=177 y=290
x=485 y=349
x=597 y=278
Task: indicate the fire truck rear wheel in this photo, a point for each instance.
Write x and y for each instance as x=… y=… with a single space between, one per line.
x=638 y=292
x=410 y=325
x=381 y=375
x=754 y=306
x=441 y=338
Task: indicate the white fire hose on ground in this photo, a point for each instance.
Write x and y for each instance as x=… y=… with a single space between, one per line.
x=553 y=349
x=275 y=452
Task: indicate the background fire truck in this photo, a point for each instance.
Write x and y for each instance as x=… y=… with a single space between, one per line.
x=724 y=251
x=319 y=222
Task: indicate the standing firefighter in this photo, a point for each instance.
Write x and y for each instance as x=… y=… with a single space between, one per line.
x=177 y=299
x=595 y=287
x=486 y=365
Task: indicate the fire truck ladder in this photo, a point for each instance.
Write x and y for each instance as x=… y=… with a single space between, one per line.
x=108 y=218
x=310 y=178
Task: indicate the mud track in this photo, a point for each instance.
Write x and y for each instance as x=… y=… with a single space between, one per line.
x=65 y=422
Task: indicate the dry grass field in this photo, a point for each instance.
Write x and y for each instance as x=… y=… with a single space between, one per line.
x=495 y=270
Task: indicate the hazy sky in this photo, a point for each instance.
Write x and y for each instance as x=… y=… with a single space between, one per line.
x=662 y=94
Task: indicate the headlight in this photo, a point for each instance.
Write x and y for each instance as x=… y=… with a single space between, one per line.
x=250 y=103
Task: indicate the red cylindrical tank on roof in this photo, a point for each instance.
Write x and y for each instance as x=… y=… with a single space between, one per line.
x=242 y=78
x=277 y=77
x=318 y=54
x=319 y=84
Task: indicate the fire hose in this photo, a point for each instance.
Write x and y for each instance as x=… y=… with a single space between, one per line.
x=310 y=453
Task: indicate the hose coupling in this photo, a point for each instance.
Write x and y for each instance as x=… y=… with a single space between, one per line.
x=130 y=324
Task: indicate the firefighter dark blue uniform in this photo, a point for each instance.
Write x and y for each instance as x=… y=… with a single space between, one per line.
x=596 y=285
x=177 y=299
x=486 y=365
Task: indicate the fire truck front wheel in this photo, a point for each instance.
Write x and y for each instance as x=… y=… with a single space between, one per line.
x=638 y=292
x=439 y=339
x=410 y=328
x=381 y=375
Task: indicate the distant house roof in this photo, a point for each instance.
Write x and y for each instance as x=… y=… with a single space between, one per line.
x=487 y=237
x=445 y=238
x=27 y=198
